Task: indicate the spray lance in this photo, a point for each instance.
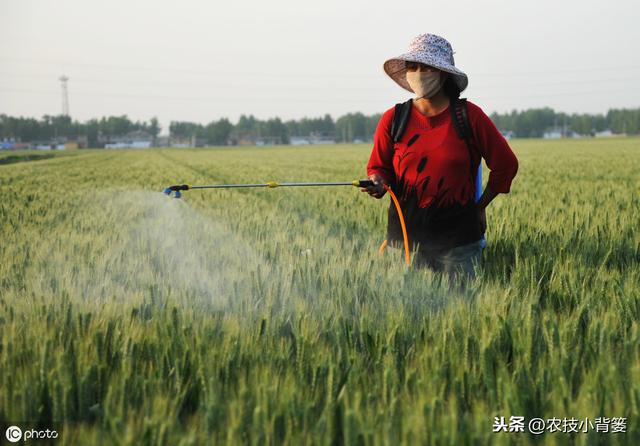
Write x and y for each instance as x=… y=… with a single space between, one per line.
x=177 y=190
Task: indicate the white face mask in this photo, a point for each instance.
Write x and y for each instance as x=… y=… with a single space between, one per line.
x=425 y=84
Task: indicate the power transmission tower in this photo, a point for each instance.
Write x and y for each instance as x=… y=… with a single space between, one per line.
x=65 y=95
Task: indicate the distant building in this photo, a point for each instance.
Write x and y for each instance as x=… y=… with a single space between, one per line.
x=313 y=138
x=299 y=141
x=163 y=141
x=60 y=143
x=552 y=134
x=268 y=141
x=133 y=140
x=606 y=134
x=557 y=133
x=308 y=140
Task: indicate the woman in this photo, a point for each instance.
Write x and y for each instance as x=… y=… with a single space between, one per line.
x=429 y=167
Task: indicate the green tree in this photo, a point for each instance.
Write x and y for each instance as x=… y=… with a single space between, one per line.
x=218 y=132
x=154 y=129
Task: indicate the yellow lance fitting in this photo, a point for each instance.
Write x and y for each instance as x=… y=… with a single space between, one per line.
x=272 y=184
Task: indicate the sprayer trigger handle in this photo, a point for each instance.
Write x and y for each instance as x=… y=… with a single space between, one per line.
x=364 y=183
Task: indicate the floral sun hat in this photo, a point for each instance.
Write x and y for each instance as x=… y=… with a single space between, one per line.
x=428 y=49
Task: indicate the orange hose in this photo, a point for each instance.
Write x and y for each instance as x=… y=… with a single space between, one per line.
x=407 y=252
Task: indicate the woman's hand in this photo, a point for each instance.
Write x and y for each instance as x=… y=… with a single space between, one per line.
x=377 y=190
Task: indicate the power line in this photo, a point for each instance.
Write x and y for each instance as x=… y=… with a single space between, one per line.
x=281 y=99
x=288 y=72
x=305 y=81
x=344 y=87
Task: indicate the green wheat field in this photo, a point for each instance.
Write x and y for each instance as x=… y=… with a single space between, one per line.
x=259 y=316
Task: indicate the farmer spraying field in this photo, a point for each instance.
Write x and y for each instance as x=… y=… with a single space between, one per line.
x=427 y=154
x=428 y=151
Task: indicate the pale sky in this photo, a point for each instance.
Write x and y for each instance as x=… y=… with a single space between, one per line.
x=203 y=60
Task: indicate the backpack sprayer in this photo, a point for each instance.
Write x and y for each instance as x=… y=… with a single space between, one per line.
x=178 y=189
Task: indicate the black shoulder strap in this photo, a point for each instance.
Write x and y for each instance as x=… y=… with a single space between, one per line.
x=460 y=118
x=400 y=119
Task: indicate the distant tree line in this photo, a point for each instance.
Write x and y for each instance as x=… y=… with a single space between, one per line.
x=533 y=123
x=223 y=132
x=54 y=127
x=350 y=127
x=347 y=128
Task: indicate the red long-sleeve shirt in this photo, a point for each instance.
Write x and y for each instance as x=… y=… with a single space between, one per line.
x=429 y=170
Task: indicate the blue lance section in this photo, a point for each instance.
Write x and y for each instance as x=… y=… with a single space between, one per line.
x=478 y=194
x=479 y=183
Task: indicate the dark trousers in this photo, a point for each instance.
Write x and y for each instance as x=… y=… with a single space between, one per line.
x=459 y=263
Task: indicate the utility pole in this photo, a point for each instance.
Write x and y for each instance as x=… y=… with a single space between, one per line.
x=65 y=95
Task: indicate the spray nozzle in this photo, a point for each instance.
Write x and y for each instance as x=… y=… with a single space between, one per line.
x=176 y=189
